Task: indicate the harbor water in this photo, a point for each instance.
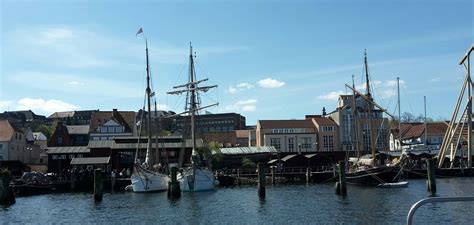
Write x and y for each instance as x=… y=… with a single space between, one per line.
x=308 y=204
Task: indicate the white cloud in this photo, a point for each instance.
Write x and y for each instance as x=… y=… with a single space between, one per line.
x=248 y=105
x=333 y=95
x=46 y=106
x=232 y=90
x=435 y=79
x=240 y=87
x=75 y=83
x=245 y=86
x=162 y=107
x=270 y=83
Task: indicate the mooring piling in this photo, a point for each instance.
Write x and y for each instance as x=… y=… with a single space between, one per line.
x=431 y=172
x=341 y=188
x=261 y=180
x=98 y=185
x=6 y=193
x=174 y=190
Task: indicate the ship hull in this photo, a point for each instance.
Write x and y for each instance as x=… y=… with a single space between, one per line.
x=148 y=181
x=374 y=176
x=197 y=179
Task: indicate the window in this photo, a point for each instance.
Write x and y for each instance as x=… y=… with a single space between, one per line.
x=60 y=140
x=328 y=128
x=62 y=157
x=306 y=145
x=291 y=144
x=328 y=143
x=54 y=157
x=103 y=129
x=111 y=129
x=118 y=129
x=1 y=157
x=275 y=142
x=79 y=155
x=71 y=156
x=1 y=146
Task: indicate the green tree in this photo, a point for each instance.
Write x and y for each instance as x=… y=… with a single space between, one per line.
x=246 y=162
x=47 y=131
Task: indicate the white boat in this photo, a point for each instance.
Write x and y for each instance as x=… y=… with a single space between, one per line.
x=144 y=178
x=394 y=185
x=197 y=177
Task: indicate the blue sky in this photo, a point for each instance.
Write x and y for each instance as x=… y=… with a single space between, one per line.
x=271 y=59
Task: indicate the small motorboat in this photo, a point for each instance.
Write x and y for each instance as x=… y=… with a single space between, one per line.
x=394 y=185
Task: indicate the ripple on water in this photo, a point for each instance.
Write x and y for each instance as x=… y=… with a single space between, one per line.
x=283 y=204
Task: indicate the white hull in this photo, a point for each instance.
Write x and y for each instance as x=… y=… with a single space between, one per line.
x=202 y=181
x=147 y=181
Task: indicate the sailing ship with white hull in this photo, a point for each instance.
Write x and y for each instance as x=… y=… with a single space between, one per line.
x=145 y=177
x=197 y=177
x=369 y=171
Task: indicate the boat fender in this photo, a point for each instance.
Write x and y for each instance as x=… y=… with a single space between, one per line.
x=129 y=188
x=216 y=182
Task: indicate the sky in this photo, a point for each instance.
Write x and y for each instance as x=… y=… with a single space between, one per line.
x=270 y=59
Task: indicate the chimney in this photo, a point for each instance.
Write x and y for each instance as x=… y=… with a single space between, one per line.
x=324 y=111
x=114 y=112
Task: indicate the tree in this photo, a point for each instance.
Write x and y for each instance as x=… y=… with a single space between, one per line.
x=407 y=117
x=47 y=131
x=246 y=162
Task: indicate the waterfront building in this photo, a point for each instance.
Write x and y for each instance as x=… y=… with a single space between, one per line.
x=173 y=150
x=106 y=125
x=12 y=141
x=69 y=135
x=59 y=158
x=211 y=123
x=371 y=125
x=413 y=136
x=287 y=135
x=327 y=132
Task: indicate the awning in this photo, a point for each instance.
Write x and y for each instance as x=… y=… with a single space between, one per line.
x=67 y=150
x=90 y=161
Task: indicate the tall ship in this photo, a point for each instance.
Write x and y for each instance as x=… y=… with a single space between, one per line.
x=197 y=176
x=369 y=136
x=147 y=176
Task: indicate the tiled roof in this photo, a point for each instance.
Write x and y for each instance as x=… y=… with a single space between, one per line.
x=90 y=160
x=269 y=124
x=125 y=118
x=61 y=115
x=77 y=129
x=415 y=130
x=67 y=149
x=324 y=121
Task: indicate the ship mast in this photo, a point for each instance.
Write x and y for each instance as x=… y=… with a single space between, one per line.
x=354 y=117
x=399 y=116
x=192 y=101
x=148 y=95
x=369 y=108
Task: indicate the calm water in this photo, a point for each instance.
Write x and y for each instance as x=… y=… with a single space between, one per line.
x=314 y=203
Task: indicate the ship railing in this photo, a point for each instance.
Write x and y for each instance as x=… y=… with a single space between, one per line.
x=422 y=202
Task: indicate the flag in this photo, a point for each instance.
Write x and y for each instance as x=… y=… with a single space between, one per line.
x=139 y=31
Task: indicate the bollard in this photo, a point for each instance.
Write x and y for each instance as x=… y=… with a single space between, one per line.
x=342 y=179
x=308 y=174
x=174 y=190
x=261 y=180
x=98 y=185
x=112 y=181
x=431 y=182
x=6 y=192
x=273 y=174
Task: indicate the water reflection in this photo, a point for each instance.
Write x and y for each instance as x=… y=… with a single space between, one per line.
x=303 y=203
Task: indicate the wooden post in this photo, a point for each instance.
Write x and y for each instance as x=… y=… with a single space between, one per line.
x=308 y=174
x=273 y=174
x=261 y=180
x=341 y=185
x=430 y=166
x=73 y=181
x=174 y=190
x=238 y=177
x=6 y=193
x=98 y=185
